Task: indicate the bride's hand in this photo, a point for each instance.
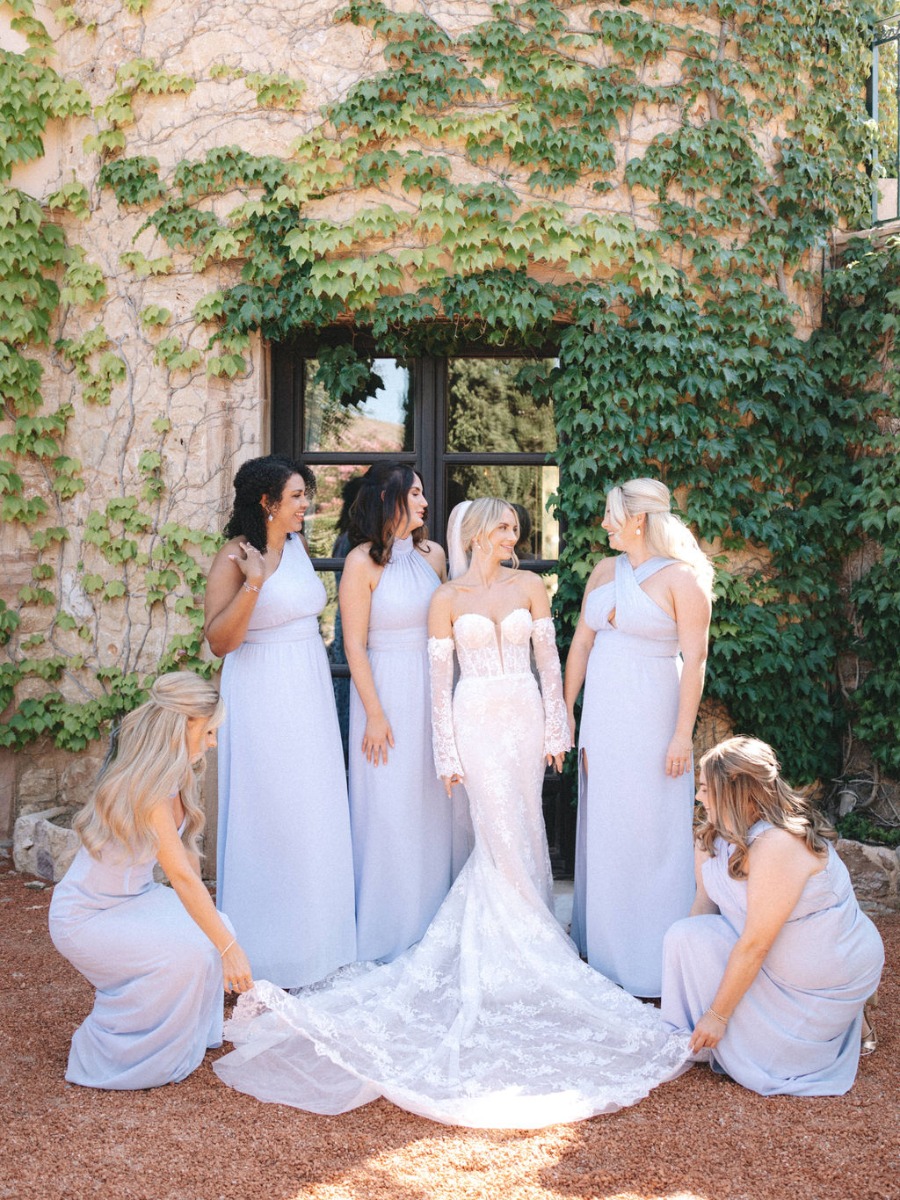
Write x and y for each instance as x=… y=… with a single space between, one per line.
x=556 y=760
x=449 y=782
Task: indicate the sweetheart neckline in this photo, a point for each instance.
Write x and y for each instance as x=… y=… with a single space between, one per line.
x=496 y=624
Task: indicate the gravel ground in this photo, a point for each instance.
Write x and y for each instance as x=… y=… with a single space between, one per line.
x=698 y=1138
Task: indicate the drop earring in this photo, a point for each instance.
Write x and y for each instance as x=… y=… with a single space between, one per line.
x=270 y=516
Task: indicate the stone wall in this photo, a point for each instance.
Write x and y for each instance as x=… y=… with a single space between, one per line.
x=215 y=422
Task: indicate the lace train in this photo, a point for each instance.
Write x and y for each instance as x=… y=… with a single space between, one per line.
x=492 y=1020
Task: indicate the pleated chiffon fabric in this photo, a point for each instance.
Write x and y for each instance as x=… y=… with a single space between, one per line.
x=285 y=864
x=400 y=816
x=796 y=1031
x=491 y=1020
x=634 y=857
x=159 y=1001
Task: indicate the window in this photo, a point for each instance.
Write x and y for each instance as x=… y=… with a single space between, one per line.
x=470 y=426
x=884 y=100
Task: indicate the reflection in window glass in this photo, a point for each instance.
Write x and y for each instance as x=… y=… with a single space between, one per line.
x=528 y=488
x=487 y=411
x=887 y=131
x=383 y=422
x=326 y=517
x=328 y=618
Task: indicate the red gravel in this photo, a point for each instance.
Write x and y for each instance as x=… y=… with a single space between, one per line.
x=699 y=1138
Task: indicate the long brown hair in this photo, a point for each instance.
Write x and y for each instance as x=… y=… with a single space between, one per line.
x=382 y=504
x=743 y=779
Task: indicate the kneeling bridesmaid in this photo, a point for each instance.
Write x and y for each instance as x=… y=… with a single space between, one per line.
x=157 y=956
x=772 y=970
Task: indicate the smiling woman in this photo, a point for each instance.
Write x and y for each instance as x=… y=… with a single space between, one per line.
x=491 y=1019
x=284 y=826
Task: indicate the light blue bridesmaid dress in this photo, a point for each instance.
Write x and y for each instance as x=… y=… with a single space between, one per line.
x=634 y=857
x=159 y=1001
x=401 y=818
x=285 y=865
x=796 y=1030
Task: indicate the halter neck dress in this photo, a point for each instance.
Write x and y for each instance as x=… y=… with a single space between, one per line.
x=491 y=1020
x=285 y=865
x=401 y=818
x=634 y=858
x=796 y=1030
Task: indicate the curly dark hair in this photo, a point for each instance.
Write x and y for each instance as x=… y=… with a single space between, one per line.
x=381 y=500
x=256 y=479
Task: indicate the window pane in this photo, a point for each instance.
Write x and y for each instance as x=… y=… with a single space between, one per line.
x=527 y=487
x=887 y=131
x=383 y=422
x=488 y=411
x=336 y=489
x=328 y=618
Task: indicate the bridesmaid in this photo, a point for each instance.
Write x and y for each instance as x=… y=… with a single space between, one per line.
x=771 y=972
x=285 y=866
x=157 y=956
x=634 y=856
x=401 y=819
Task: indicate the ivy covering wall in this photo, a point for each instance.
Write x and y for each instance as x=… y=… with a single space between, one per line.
x=648 y=187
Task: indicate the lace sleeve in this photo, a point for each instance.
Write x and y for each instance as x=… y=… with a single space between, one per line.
x=556 y=721
x=440 y=660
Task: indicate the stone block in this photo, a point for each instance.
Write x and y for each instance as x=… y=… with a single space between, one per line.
x=875 y=871
x=44 y=843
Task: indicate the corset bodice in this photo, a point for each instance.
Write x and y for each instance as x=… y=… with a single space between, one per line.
x=486 y=649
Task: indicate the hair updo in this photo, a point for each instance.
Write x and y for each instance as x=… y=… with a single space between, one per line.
x=477 y=518
x=151 y=764
x=257 y=479
x=665 y=534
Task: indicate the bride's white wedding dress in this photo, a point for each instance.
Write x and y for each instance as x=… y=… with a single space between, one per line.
x=492 y=1020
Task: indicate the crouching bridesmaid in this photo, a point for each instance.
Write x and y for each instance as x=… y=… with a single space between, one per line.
x=157 y=956
x=772 y=971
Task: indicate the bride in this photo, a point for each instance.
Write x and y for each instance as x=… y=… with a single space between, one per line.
x=492 y=1020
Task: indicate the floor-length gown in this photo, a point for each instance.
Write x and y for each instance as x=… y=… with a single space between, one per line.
x=400 y=815
x=796 y=1030
x=285 y=864
x=634 y=858
x=159 y=1001
x=492 y=1020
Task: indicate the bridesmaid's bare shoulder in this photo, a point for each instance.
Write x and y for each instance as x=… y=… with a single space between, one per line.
x=434 y=555
x=603 y=572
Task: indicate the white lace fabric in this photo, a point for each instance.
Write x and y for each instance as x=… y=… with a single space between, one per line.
x=489 y=652
x=492 y=1020
x=440 y=661
x=557 y=738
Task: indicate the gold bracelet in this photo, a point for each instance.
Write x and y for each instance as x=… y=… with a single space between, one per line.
x=248 y=587
x=222 y=953
x=712 y=1012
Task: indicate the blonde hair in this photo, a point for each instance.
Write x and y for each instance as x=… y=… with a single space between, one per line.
x=152 y=764
x=483 y=516
x=665 y=534
x=744 y=783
